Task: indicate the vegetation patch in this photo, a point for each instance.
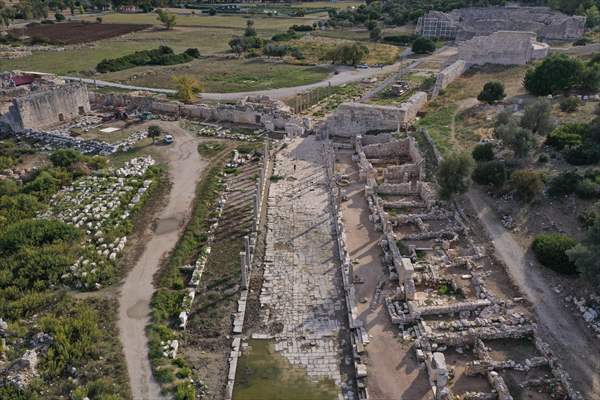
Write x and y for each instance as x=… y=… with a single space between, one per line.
x=164 y=55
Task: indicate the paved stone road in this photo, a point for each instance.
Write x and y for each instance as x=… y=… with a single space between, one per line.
x=302 y=296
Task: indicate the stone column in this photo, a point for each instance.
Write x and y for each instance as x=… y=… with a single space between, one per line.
x=244 y=267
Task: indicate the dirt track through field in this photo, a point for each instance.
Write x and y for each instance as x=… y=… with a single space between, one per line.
x=185 y=168
x=569 y=339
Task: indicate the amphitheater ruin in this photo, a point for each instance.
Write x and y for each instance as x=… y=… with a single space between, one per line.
x=466 y=23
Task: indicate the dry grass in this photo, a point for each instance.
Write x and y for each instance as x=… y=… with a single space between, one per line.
x=315 y=49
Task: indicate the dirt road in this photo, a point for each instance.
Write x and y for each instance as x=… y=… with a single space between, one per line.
x=185 y=167
x=571 y=341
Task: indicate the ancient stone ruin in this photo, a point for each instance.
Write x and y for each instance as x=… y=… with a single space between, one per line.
x=43 y=109
x=466 y=23
x=502 y=47
x=440 y=300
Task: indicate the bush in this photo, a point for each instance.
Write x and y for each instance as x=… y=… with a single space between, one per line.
x=537 y=117
x=587 y=189
x=519 y=139
x=276 y=50
x=192 y=52
x=550 y=250
x=400 y=40
x=453 y=175
x=483 y=152
x=59 y=17
x=527 y=184
x=284 y=37
x=301 y=28
x=164 y=55
x=65 y=157
x=563 y=184
x=491 y=173
x=569 y=104
x=558 y=72
x=423 y=45
x=584 y=154
x=36 y=233
x=492 y=91
x=569 y=134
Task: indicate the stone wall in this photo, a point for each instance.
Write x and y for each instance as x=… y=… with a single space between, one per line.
x=448 y=75
x=502 y=47
x=46 y=108
x=352 y=119
x=262 y=111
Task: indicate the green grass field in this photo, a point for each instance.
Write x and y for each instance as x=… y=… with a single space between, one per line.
x=224 y=75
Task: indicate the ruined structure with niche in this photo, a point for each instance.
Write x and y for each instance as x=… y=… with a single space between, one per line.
x=46 y=107
x=466 y=23
x=502 y=47
x=351 y=119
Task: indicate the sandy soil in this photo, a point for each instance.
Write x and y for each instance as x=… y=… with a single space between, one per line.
x=393 y=369
x=185 y=167
x=571 y=341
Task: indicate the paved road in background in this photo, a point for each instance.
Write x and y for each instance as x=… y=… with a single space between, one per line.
x=344 y=75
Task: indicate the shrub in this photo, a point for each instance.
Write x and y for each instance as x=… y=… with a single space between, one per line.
x=59 y=17
x=492 y=91
x=569 y=104
x=423 y=45
x=483 y=152
x=519 y=139
x=301 y=28
x=537 y=117
x=491 y=173
x=587 y=189
x=36 y=233
x=284 y=37
x=527 y=184
x=558 y=72
x=276 y=50
x=297 y=53
x=185 y=391
x=65 y=157
x=164 y=55
x=584 y=154
x=192 y=52
x=454 y=174
x=563 y=184
x=569 y=134
x=400 y=40
x=550 y=250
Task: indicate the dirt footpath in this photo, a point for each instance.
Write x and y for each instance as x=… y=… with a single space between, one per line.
x=185 y=167
x=572 y=342
x=393 y=369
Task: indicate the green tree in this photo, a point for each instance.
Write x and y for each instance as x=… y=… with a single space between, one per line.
x=519 y=140
x=483 y=152
x=375 y=34
x=154 y=131
x=454 y=174
x=586 y=255
x=491 y=173
x=65 y=157
x=347 y=54
x=592 y=16
x=556 y=73
x=492 y=92
x=187 y=88
x=527 y=184
x=250 y=30
x=537 y=118
x=423 y=45
x=551 y=251
x=166 y=18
